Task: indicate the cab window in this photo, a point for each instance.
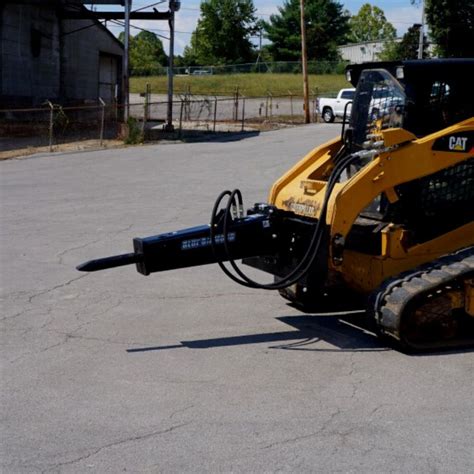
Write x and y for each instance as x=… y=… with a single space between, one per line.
x=347 y=95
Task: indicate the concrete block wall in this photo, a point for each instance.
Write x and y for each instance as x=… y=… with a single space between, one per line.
x=66 y=70
x=23 y=75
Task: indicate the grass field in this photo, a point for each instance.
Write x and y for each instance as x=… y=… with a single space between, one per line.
x=250 y=85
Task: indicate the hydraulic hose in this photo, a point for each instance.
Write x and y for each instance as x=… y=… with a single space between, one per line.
x=305 y=264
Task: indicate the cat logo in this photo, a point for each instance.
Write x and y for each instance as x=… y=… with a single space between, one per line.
x=458 y=143
x=461 y=142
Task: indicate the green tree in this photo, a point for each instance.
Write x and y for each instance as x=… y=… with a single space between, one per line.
x=370 y=24
x=451 y=24
x=146 y=53
x=179 y=61
x=407 y=48
x=199 y=50
x=410 y=43
x=223 y=32
x=326 y=27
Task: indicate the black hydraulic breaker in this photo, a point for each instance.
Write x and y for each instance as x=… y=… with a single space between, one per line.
x=269 y=239
x=253 y=235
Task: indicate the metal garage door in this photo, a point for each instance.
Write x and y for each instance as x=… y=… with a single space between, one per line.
x=108 y=77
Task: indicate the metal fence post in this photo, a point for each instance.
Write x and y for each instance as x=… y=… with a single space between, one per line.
x=291 y=104
x=187 y=115
x=316 y=100
x=147 y=101
x=236 y=104
x=271 y=105
x=243 y=113
x=266 y=105
x=102 y=122
x=181 y=118
x=215 y=115
x=233 y=106
x=51 y=124
x=145 y=109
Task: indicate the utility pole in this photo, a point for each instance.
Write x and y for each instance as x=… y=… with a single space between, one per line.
x=304 y=61
x=174 y=6
x=422 y=30
x=126 y=80
x=259 y=57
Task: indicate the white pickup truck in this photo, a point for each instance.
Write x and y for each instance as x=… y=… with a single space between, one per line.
x=332 y=108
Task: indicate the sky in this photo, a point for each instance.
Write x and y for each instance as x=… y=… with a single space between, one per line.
x=399 y=12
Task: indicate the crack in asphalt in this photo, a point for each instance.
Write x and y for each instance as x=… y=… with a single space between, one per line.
x=114 y=234
x=60 y=255
x=97 y=315
x=41 y=293
x=13 y=295
x=113 y=444
x=325 y=426
x=56 y=287
x=71 y=334
x=16 y=315
x=355 y=385
x=291 y=440
x=67 y=335
x=310 y=435
x=181 y=410
x=60 y=343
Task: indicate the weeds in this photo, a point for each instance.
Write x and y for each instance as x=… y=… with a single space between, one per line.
x=134 y=132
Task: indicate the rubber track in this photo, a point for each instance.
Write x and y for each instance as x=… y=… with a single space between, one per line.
x=390 y=301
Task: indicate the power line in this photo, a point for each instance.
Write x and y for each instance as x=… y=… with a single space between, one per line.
x=152 y=30
x=119 y=23
x=83 y=28
x=198 y=10
x=149 y=6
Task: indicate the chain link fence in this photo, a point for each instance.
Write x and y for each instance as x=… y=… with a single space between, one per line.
x=50 y=126
x=217 y=114
x=294 y=67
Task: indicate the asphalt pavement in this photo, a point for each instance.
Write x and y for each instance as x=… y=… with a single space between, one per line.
x=185 y=371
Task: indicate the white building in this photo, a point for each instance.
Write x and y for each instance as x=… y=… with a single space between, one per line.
x=367 y=51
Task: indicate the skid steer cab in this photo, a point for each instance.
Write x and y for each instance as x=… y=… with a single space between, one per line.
x=384 y=211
